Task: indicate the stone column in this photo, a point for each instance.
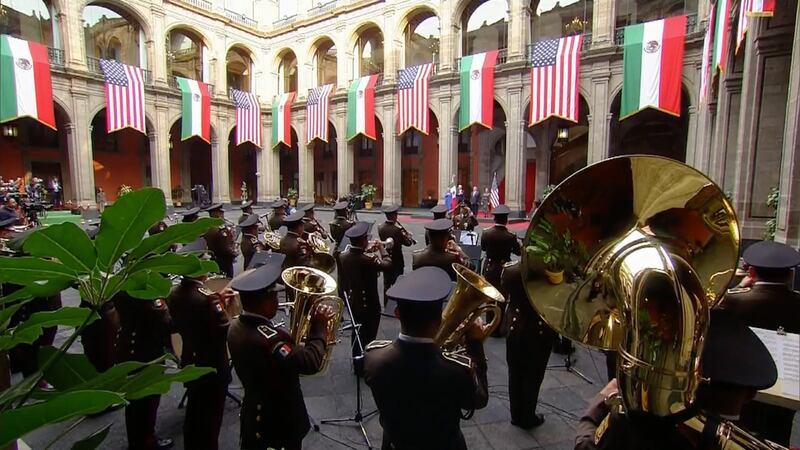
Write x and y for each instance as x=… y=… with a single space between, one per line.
x=747 y=129
x=600 y=121
x=603 y=22
x=158 y=61
x=159 y=152
x=269 y=165
x=80 y=147
x=515 y=152
x=517 y=39
x=390 y=63
x=448 y=148
x=220 y=177
x=392 y=154
x=219 y=67
x=692 y=150
x=305 y=161
x=448 y=40
x=73 y=41
x=344 y=156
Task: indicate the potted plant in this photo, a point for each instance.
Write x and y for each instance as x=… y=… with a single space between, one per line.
x=123 y=190
x=545 y=246
x=291 y=194
x=368 y=192
x=177 y=196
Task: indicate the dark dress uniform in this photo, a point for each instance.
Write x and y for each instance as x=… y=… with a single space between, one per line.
x=499 y=244
x=98 y=338
x=24 y=357
x=250 y=245
x=338 y=226
x=431 y=257
x=203 y=325
x=268 y=364
x=390 y=229
x=220 y=242
x=296 y=254
x=765 y=305
x=143 y=337
x=528 y=345
x=276 y=220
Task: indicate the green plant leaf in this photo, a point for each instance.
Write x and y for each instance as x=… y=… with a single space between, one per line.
x=19 y=294
x=182 y=233
x=178 y=264
x=125 y=222
x=65 y=242
x=205 y=268
x=68 y=371
x=153 y=380
x=21 y=421
x=28 y=270
x=29 y=330
x=147 y=285
x=94 y=440
x=8 y=312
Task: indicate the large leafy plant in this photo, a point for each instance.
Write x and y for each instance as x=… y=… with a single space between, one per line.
x=119 y=259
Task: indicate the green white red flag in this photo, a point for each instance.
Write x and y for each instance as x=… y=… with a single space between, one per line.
x=652 y=64
x=25 y=86
x=477 y=89
x=361 y=107
x=282 y=119
x=196 y=109
x=721 y=36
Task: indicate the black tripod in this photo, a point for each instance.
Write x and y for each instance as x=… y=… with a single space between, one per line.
x=568 y=367
x=358 y=363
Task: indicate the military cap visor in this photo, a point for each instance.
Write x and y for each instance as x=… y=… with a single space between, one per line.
x=501 y=210
x=307 y=207
x=258 y=279
x=197 y=246
x=249 y=221
x=278 y=204
x=340 y=206
x=426 y=284
x=360 y=229
x=263 y=258
x=439 y=209
x=734 y=355
x=771 y=255
x=246 y=204
x=439 y=225
x=389 y=209
x=191 y=212
x=213 y=207
x=293 y=218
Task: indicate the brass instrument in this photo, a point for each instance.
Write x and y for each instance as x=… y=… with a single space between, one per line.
x=217 y=283
x=407 y=235
x=319 y=229
x=320 y=250
x=375 y=245
x=472 y=297
x=312 y=288
x=273 y=239
x=454 y=248
x=647 y=247
x=731 y=437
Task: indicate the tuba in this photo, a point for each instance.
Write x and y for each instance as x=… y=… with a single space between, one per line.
x=321 y=257
x=311 y=288
x=642 y=261
x=472 y=297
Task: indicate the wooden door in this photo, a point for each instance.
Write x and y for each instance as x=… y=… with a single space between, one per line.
x=530 y=184
x=410 y=188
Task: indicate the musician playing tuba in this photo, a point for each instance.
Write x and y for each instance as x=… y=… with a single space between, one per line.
x=269 y=363
x=296 y=249
x=441 y=252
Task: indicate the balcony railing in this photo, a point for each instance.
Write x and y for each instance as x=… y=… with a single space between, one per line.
x=202 y=4
x=93 y=64
x=172 y=81
x=691 y=27
x=285 y=21
x=322 y=8
x=502 y=58
x=240 y=18
x=55 y=56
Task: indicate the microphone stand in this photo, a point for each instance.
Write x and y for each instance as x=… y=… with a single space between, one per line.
x=568 y=367
x=358 y=417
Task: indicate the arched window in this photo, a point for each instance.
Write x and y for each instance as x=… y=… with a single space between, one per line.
x=238 y=68
x=112 y=34
x=185 y=55
x=484 y=26
x=30 y=20
x=555 y=19
x=325 y=62
x=369 y=52
x=422 y=39
x=287 y=73
x=631 y=12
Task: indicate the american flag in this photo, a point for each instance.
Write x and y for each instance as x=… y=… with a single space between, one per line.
x=412 y=98
x=317 y=113
x=124 y=96
x=494 y=193
x=554 y=79
x=248 y=117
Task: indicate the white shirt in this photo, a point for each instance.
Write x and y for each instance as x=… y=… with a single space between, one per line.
x=414 y=339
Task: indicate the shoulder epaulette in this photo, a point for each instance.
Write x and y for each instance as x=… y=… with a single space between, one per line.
x=206 y=292
x=458 y=358
x=267 y=331
x=377 y=344
x=418 y=250
x=738 y=290
x=510 y=264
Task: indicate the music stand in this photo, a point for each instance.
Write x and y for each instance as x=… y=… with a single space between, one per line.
x=358 y=417
x=568 y=367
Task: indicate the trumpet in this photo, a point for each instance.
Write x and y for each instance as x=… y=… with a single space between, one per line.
x=376 y=245
x=454 y=248
x=407 y=235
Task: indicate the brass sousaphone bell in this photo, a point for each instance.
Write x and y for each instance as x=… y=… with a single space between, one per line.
x=647 y=247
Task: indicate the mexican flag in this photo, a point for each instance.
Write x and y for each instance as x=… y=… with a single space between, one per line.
x=652 y=63
x=282 y=119
x=195 y=109
x=477 y=89
x=25 y=87
x=721 y=35
x=361 y=107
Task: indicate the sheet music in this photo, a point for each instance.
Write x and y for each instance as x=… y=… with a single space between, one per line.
x=785 y=350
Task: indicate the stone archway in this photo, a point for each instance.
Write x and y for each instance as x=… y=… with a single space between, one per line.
x=481 y=154
x=190 y=164
x=119 y=158
x=325 y=167
x=419 y=164
x=242 y=168
x=289 y=166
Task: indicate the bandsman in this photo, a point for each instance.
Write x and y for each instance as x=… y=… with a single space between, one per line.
x=220 y=241
x=297 y=252
x=250 y=243
x=247 y=209
x=278 y=214
x=190 y=215
x=391 y=229
x=499 y=244
x=441 y=252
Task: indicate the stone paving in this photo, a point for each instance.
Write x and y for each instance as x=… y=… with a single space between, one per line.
x=563 y=398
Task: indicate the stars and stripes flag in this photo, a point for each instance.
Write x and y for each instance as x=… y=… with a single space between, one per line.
x=705 y=67
x=747 y=10
x=412 y=98
x=248 y=117
x=317 y=113
x=554 y=79
x=124 y=96
x=494 y=193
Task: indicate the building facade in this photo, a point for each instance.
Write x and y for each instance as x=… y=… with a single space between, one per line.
x=746 y=138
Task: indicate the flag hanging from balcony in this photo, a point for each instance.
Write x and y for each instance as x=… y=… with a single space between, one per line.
x=248 y=117
x=317 y=108
x=705 y=67
x=25 y=86
x=282 y=119
x=477 y=89
x=361 y=107
x=721 y=35
x=761 y=8
x=748 y=9
x=412 y=98
x=554 y=79
x=652 y=61
x=124 y=96
x=196 y=109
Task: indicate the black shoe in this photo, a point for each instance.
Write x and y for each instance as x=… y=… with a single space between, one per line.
x=163 y=444
x=538 y=420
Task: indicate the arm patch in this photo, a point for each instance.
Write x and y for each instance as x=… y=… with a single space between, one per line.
x=282 y=350
x=458 y=358
x=267 y=332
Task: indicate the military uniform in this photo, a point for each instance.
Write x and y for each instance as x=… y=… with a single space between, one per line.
x=360 y=281
x=439 y=212
x=98 y=338
x=157 y=228
x=276 y=220
x=296 y=254
x=528 y=345
x=765 y=305
x=247 y=210
x=203 y=325
x=24 y=357
x=499 y=244
x=250 y=245
x=338 y=226
x=220 y=242
x=143 y=336
x=273 y=412
x=390 y=229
